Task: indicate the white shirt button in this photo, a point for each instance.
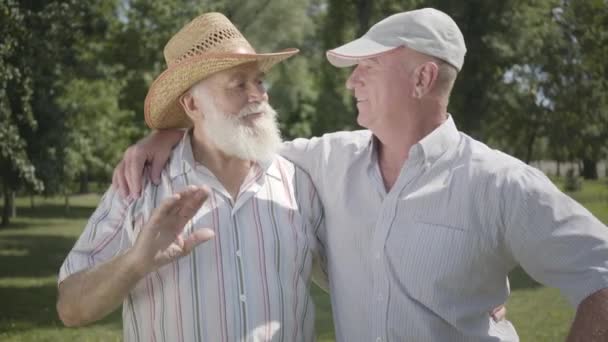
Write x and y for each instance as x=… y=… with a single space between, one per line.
x=378 y=339
x=243 y=298
x=238 y=253
x=380 y=296
x=378 y=256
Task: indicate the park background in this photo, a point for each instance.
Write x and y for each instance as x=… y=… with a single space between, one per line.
x=74 y=75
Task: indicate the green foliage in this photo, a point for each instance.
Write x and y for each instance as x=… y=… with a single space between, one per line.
x=16 y=116
x=579 y=82
x=98 y=127
x=534 y=73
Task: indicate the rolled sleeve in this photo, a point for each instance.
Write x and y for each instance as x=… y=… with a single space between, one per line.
x=105 y=235
x=555 y=239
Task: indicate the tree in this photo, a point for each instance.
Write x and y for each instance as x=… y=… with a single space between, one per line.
x=15 y=110
x=96 y=128
x=579 y=81
x=73 y=34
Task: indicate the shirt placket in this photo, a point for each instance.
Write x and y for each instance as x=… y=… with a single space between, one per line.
x=381 y=287
x=251 y=185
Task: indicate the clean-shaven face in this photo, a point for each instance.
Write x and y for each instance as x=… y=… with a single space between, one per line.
x=380 y=87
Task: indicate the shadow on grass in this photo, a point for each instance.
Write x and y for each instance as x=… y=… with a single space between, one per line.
x=16 y=225
x=34 y=256
x=27 y=308
x=519 y=279
x=55 y=211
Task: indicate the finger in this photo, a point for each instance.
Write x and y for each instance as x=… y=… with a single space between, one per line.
x=168 y=207
x=177 y=201
x=135 y=169
x=158 y=163
x=499 y=313
x=120 y=180
x=196 y=238
x=191 y=201
x=115 y=177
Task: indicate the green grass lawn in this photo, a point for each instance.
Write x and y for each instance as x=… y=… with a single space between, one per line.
x=35 y=244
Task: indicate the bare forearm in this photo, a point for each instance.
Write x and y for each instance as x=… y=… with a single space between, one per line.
x=591 y=320
x=90 y=295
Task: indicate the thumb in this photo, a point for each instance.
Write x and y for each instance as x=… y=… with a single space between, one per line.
x=196 y=238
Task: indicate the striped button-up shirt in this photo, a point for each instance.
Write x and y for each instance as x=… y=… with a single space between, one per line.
x=250 y=282
x=429 y=259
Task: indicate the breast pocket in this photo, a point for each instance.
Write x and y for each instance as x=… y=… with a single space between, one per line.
x=426 y=256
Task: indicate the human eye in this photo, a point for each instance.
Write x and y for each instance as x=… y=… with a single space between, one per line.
x=237 y=85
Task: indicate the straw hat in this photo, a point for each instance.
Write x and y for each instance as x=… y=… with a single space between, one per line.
x=208 y=44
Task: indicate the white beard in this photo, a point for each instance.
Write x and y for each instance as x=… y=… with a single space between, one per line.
x=230 y=134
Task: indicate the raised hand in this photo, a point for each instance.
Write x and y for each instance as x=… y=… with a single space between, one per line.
x=160 y=241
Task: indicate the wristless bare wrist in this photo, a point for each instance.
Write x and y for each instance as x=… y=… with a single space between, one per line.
x=135 y=264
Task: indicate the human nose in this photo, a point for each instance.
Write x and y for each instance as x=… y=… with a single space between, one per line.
x=257 y=93
x=354 y=78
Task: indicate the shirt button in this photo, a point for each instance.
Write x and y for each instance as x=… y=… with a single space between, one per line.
x=238 y=253
x=380 y=297
x=378 y=256
x=243 y=298
x=378 y=339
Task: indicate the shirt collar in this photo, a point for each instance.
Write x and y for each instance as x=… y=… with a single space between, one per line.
x=436 y=143
x=182 y=160
x=430 y=148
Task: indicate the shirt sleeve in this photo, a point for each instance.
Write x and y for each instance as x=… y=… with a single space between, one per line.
x=554 y=238
x=105 y=235
x=304 y=153
x=312 y=212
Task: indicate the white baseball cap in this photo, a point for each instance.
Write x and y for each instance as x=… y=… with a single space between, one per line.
x=426 y=30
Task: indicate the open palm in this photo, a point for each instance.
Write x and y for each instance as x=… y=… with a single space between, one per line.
x=161 y=241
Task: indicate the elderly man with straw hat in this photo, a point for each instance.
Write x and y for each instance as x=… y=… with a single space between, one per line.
x=257 y=213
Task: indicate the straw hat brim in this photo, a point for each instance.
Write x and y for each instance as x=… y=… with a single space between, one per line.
x=162 y=109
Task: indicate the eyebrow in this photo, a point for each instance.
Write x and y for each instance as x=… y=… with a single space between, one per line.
x=240 y=75
x=370 y=61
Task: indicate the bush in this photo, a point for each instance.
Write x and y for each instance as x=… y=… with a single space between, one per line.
x=573 y=182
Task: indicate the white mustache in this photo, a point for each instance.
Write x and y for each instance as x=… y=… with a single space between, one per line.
x=254 y=108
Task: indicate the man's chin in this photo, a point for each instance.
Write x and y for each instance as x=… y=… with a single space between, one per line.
x=363 y=122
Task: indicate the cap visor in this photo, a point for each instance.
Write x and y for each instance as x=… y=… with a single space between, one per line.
x=351 y=53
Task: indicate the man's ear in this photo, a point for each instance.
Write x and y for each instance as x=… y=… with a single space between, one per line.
x=425 y=77
x=188 y=104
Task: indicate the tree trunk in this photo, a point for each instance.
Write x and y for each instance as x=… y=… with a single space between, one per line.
x=67 y=200
x=8 y=206
x=589 y=169
x=364 y=12
x=558 y=172
x=530 y=147
x=13 y=204
x=84 y=183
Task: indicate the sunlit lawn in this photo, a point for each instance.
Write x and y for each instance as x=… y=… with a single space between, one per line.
x=33 y=247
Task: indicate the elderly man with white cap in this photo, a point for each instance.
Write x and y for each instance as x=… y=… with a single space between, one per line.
x=424 y=223
x=251 y=282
